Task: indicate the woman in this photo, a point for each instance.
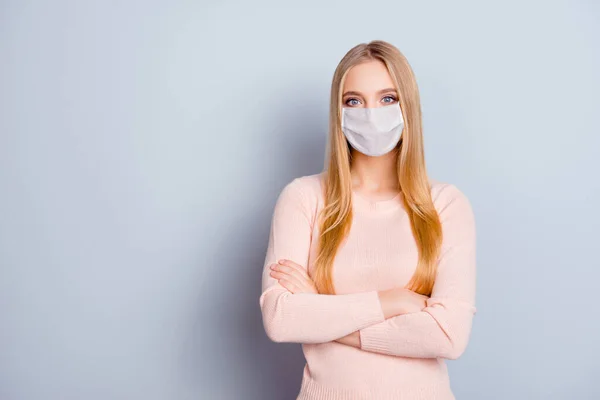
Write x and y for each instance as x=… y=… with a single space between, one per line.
x=371 y=264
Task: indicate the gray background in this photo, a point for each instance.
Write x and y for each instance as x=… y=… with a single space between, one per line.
x=143 y=144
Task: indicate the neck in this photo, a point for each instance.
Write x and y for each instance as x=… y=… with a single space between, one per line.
x=375 y=173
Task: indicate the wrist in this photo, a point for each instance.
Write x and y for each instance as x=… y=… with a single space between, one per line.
x=389 y=303
x=398 y=301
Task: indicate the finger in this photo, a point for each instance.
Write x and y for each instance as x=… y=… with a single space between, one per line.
x=289 y=270
x=298 y=282
x=283 y=267
x=300 y=276
x=292 y=264
x=292 y=271
x=295 y=266
x=288 y=285
x=297 y=272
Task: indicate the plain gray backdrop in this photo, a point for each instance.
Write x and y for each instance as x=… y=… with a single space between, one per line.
x=143 y=145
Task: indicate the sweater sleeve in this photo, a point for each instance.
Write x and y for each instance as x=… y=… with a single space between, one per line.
x=306 y=317
x=443 y=327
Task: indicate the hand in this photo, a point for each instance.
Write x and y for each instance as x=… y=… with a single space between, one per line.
x=414 y=301
x=399 y=300
x=352 y=339
x=293 y=277
x=395 y=301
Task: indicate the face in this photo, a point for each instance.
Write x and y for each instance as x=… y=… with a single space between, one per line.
x=369 y=85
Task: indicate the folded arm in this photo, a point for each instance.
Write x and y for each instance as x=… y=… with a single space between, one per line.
x=306 y=317
x=443 y=327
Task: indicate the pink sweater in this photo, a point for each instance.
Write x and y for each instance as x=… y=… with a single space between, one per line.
x=400 y=357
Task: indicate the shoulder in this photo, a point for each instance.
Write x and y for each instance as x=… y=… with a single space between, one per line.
x=449 y=198
x=303 y=192
x=307 y=187
x=455 y=213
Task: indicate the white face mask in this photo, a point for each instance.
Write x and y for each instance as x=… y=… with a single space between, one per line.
x=373 y=131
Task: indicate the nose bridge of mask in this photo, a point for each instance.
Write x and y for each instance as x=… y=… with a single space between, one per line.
x=373 y=120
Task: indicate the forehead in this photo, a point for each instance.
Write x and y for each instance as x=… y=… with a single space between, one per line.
x=368 y=77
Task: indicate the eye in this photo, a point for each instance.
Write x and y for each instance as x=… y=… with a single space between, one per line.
x=391 y=99
x=352 y=102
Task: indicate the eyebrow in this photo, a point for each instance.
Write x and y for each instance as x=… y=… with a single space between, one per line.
x=359 y=94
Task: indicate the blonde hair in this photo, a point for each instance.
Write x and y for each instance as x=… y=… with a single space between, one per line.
x=336 y=217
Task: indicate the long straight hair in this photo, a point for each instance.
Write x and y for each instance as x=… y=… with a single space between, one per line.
x=335 y=218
